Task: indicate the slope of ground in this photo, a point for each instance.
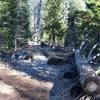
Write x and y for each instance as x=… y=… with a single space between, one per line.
x=25 y=80
x=15 y=85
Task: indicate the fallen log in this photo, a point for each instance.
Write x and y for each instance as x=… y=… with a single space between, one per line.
x=97 y=97
x=89 y=80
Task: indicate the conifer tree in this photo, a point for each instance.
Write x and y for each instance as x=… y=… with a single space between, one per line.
x=14 y=21
x=88 y=22
x=73 y=6
x=53 y=24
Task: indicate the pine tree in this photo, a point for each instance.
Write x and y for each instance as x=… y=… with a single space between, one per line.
x=88 y=22
x=14 y=22
x=8 y=27
x=36 y=14
x=73 y=6
x=53 y=27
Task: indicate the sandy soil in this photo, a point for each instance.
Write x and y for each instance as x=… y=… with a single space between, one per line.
x=15 y=85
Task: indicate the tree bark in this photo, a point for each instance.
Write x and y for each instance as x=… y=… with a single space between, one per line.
x=38 y=21
x=70 y=34
x=87 y=76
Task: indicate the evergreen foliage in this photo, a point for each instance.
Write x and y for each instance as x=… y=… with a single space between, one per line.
x=59 y=26
x=88 y=22
x=53 y=24
x=13 y=21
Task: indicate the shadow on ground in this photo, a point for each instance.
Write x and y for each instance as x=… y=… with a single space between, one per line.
x=37 y=69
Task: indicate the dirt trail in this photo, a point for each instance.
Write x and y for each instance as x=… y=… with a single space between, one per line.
x=15 y=85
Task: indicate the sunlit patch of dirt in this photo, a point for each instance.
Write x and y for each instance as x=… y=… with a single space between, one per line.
x=6 y=89
x=40 y=57
x=7 y=92
x=17 y=86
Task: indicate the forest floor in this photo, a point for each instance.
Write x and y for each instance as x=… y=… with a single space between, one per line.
x=15 y=85
x=27 y=80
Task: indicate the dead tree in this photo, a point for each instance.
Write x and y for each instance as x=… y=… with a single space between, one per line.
x=89 y=80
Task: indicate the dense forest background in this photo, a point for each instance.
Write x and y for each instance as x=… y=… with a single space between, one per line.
x=62 y=22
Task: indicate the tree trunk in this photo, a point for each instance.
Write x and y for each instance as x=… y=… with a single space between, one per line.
x=53 y=38
x=70 y=34
x=15 y=45
x=89 y=80
x=38 y=21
